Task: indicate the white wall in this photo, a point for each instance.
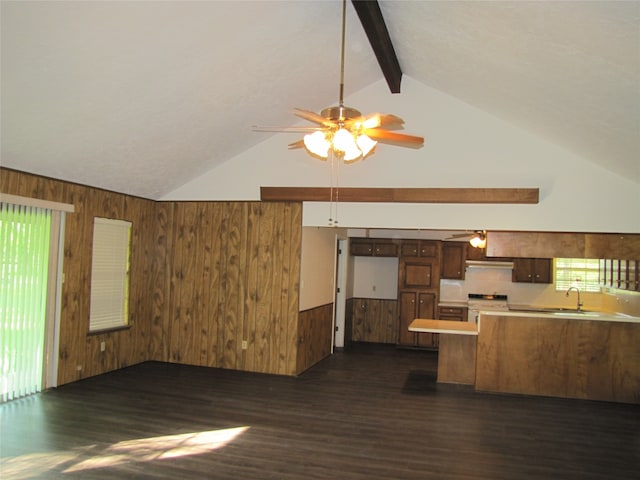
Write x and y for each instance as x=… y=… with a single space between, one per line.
x=375 y=277
x=317 y=267
x=464 y=147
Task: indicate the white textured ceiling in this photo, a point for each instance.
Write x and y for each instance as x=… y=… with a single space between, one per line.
x=139 y=97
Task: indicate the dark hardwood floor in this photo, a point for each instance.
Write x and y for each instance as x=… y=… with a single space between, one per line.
x=370 y=412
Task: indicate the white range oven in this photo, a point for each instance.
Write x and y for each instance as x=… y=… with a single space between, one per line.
x=483 y=301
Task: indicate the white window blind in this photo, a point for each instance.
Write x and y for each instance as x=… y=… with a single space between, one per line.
x=583 y=273
x=110 y=274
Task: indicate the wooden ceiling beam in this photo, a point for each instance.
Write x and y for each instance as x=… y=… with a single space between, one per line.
x=402 y=195
x=374 y=26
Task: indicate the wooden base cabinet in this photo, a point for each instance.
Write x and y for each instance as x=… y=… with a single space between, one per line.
x=412 y=305
x=559 y=357
x=459 y=314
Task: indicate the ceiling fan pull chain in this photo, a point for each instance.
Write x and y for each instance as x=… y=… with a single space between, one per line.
x=337 y=202
x=332 y=155
x=335 y=159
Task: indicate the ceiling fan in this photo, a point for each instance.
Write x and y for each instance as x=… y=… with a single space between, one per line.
x=343 y=131
x=477 y=238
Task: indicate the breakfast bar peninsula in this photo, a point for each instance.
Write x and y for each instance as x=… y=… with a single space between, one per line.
x=570 y=354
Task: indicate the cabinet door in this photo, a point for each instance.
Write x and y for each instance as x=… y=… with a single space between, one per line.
x=361 y=248
x=429 y=248
x=417 y=275
x=453 y=257
x=384 y=249
x=522 y=270
x=420 y=248
x=407 y=309
x=476 y=253
x=412 y=305
x=427 y=309
x=542 y=270
x=409 y=248
x=532 y=270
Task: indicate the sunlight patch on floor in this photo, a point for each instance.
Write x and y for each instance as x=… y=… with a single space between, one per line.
x=139 y=450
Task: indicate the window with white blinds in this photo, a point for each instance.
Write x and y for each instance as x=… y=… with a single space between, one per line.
x=110 y=274
x=583 y=273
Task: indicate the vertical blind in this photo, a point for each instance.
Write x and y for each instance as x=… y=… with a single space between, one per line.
x=24 y=243
x=110 y=274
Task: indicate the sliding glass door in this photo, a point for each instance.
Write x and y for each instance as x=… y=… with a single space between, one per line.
x=25 y=234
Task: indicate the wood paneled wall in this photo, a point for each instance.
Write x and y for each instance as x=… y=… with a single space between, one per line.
x=314 y=336
x=79 y=353
x=231 y=273
x=204 y=277
x=374 y=320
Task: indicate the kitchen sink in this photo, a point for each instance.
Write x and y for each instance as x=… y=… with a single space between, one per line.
x=563 y=310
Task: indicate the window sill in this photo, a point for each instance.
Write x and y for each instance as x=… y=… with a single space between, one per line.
x=108 y=330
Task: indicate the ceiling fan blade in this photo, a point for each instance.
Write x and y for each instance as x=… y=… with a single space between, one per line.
x=385 y=136
x=291 y=129
x=375 y=120
x=313 y=117
x=298 y=144
x=461 y=235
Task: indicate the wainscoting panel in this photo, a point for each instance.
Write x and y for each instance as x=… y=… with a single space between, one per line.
x=374 y=320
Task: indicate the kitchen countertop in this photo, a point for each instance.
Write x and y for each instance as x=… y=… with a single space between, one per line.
x=443 y=326
x=453 y=303
x=561 y=313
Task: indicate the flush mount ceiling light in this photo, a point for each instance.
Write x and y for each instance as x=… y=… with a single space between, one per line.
x=342 y=132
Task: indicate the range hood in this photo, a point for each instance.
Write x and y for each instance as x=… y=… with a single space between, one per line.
x=489 y=264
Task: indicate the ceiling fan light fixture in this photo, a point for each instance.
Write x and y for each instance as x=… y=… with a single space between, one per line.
x=479 y=240
x=365 y=144
x=317 y=144
x=345 y=145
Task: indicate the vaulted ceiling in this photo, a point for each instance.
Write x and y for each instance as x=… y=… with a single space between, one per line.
x=139 y=97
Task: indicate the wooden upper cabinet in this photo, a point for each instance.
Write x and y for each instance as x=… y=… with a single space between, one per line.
x=612 y=245
x=385 y=249
x=418 y=275
x=420 y=248
x=371 y=247
x=563 y=245
x=361 y=247
x=532 y=270
x=476 y=253
x=453 y=258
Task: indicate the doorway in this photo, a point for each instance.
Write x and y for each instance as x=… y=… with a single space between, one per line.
x=29 y=280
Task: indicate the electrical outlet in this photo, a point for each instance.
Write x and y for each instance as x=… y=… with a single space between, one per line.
x=244 y=344
x=103 y=346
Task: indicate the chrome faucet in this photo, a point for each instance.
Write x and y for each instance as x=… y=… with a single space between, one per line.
x=579 y=302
